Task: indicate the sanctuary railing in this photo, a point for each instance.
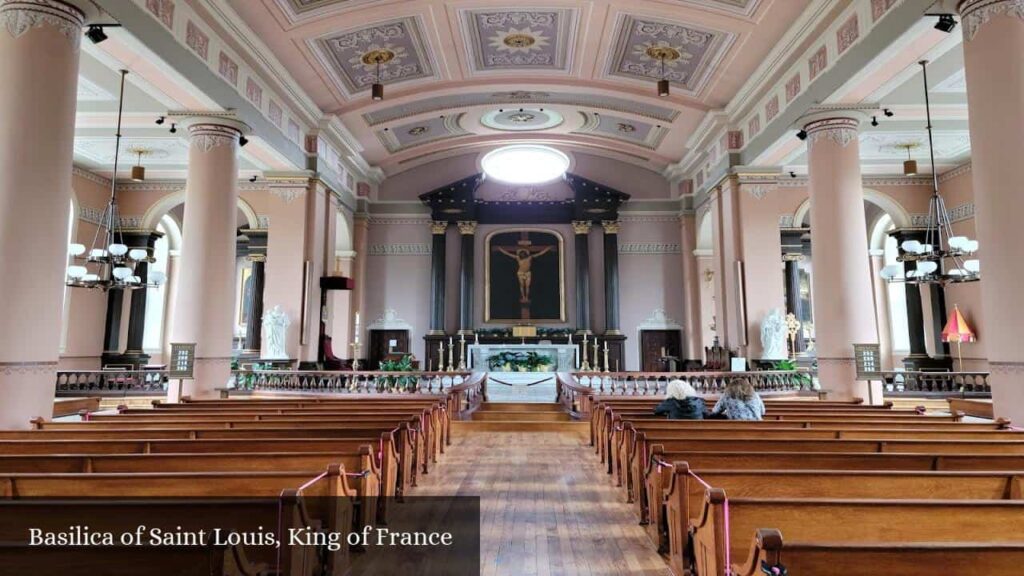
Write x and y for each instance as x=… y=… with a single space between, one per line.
x=576 y=390
x=936 y=384
x=111 y=382
x=342 y=382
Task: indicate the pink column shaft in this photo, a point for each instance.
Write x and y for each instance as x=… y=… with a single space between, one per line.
x=205 y=301
x=360 y=237
x=691 y=287
x=993 y=48
x=843 y=299
x=39 y=54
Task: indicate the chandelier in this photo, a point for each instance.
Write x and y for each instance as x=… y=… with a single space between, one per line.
x=941 y=258
x=109 y=264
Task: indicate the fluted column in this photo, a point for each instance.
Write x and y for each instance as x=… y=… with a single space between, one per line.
x=611 y=276
x=437 y=275
x=993 y=44
x=254 y=318
x=206 y=292
x=581 y=228
x=843 y=302
x=468 y=231
x=39 y=54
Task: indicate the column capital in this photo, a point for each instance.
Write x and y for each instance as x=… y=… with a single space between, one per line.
x=467 y=227
x=610 y=226
x=838 y=124
x=257 y=257
x=68 y=17
x=438 y=227
x=976 y=13
x=793 y=257
x=208 y=130
x=581 y=226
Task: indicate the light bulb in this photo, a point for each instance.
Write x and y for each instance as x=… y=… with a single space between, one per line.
x=76 y=249
x=157 y=277
x=971 y=247
x=97 y=253
x=118 y=249
x=137 y=254
x=926 y=268
x=90 y=278
x=911 y=246
x=958 y=242
x=122 y=272
x=973 y=266
x=891 y=271
x=77 y=272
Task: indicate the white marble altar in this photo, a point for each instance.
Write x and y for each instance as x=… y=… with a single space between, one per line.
x=522 y=386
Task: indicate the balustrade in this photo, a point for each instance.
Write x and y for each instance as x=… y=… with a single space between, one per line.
x=111 y=382
x=940 y=384
x=337 y=382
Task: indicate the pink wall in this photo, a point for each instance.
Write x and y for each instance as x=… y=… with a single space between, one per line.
x=760 y=250
x=958 y=191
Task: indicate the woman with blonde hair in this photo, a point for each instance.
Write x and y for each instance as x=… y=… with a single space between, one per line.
x=682 y=402
x=740 y=401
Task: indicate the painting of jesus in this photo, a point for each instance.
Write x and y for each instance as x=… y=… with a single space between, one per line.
x=525 y=276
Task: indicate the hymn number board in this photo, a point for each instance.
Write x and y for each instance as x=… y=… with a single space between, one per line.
x=183 y=360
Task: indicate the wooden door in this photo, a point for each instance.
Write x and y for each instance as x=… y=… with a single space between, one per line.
x=651 y=344
x=380 y=345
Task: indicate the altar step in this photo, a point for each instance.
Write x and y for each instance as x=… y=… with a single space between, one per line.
x=522 y=417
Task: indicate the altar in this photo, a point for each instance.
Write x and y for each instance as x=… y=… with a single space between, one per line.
x=522 y=372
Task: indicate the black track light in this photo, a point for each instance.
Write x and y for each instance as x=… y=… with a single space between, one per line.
x=792 y=174
x=946 y=23
x=174 y=128
x=95 y=34
x=160 y=120
x=252 y=179
x=802 y=135
x=874 y=120
x=242 y=141
x=888 y=113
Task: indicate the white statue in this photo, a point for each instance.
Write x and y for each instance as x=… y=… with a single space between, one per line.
x=275 y=331
x=773 y=336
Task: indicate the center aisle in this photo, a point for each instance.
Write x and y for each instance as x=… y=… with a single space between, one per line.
x=547 y=506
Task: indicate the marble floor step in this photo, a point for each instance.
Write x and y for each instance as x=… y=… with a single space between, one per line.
x=510 y=416
x=520 y=407
x=582 y=429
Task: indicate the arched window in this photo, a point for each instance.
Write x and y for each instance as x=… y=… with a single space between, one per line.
x=156 y=300
x=897 y=292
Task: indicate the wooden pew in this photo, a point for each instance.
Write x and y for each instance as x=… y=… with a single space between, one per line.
x=990 y=559
x=684 y=498
x=285 y=499
x=848 y=522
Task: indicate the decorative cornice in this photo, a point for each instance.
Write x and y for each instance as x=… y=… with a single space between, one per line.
x=1006 y=368
x=649 y=248
x=648 y=218
x=395 y=221
x=408 y=249
x=842 y=131
x=955 y=172
x=90 y=176
x=27 y=368
x=20 y=16
x=976 y=13
x=95 y=216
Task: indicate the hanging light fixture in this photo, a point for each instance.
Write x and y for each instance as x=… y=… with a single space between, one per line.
x=139 y=171
x=940 y=259
x=110 y=264
x=909 y=165
x=663 y=84
x=377 y=90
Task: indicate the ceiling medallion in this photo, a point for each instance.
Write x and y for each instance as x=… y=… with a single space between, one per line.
x=379 y=56
x=624 y=127
x=418 y=130
x=665 y=53
x=519 y=40
x=521 y=117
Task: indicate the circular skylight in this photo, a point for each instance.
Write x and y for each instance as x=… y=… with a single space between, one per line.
x=525 y=164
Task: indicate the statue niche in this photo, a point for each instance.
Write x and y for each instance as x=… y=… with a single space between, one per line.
x=525 y=279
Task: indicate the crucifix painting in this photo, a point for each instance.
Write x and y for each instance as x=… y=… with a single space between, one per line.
x=524 y=277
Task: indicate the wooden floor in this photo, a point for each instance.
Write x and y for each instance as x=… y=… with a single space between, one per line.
x=547 y=506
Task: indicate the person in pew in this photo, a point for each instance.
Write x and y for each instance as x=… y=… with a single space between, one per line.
x=682 y=403
x=739 y=402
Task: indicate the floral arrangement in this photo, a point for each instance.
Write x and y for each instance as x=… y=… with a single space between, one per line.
x=515 y=361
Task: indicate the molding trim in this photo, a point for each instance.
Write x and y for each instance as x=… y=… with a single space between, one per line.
x=20 y=16
x=27 y=368
x=976 y=13
x=405 y=249
x=658 y=320
x=390 y=320
x=91 y=176
x=842 y=131
x=955 y=172
x=649 y=248
x=404 y=220
x=206 y=137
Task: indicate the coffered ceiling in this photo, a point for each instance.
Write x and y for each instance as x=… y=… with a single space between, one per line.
x=457 y=71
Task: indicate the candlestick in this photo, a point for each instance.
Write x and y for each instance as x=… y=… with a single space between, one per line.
x=476 y=339
x=355 y=356
x=597 y=357
x=663 y=354
x=440 y=356
x=462 y=354
x=606 y=356
x=584 y=365
x=570 y=338
x=451 y=355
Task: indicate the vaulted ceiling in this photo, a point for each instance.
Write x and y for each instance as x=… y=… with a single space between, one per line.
x=462 y=74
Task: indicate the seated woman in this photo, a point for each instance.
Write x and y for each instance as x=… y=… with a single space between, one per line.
x=682 y=403
x=740 y=402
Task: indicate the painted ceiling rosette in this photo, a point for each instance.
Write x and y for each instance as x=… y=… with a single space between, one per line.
x=522 y=39
x=689 y=53
x=352 y=57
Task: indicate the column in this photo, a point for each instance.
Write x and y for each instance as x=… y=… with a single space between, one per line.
x=204 y=311
x=112 y=327
x=993 y=44
x=793 y=303
x=39 y=53
x=468 y=230
x=284 y=273
x=133 y=352
x=843 y=305
x=881 y=294
x=361 y=239
x=611 y=276
x=437 y=275
x=692 y=278
x=581 y=228
x=254 y=318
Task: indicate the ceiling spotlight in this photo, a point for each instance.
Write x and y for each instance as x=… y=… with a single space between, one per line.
x=874 y=120
x=252 y=178
x=174 y=128
x=888 y=113
x=242 y=141
x=946 y=23
x=792 y=174
x=802 y=134
x=160 y=120
x=95 y=34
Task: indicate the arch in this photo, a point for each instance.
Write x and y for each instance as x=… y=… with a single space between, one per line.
x=169 y=201
x=894 y=209
x=705 y=234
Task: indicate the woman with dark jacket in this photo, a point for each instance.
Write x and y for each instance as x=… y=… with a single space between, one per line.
x=682 y=403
